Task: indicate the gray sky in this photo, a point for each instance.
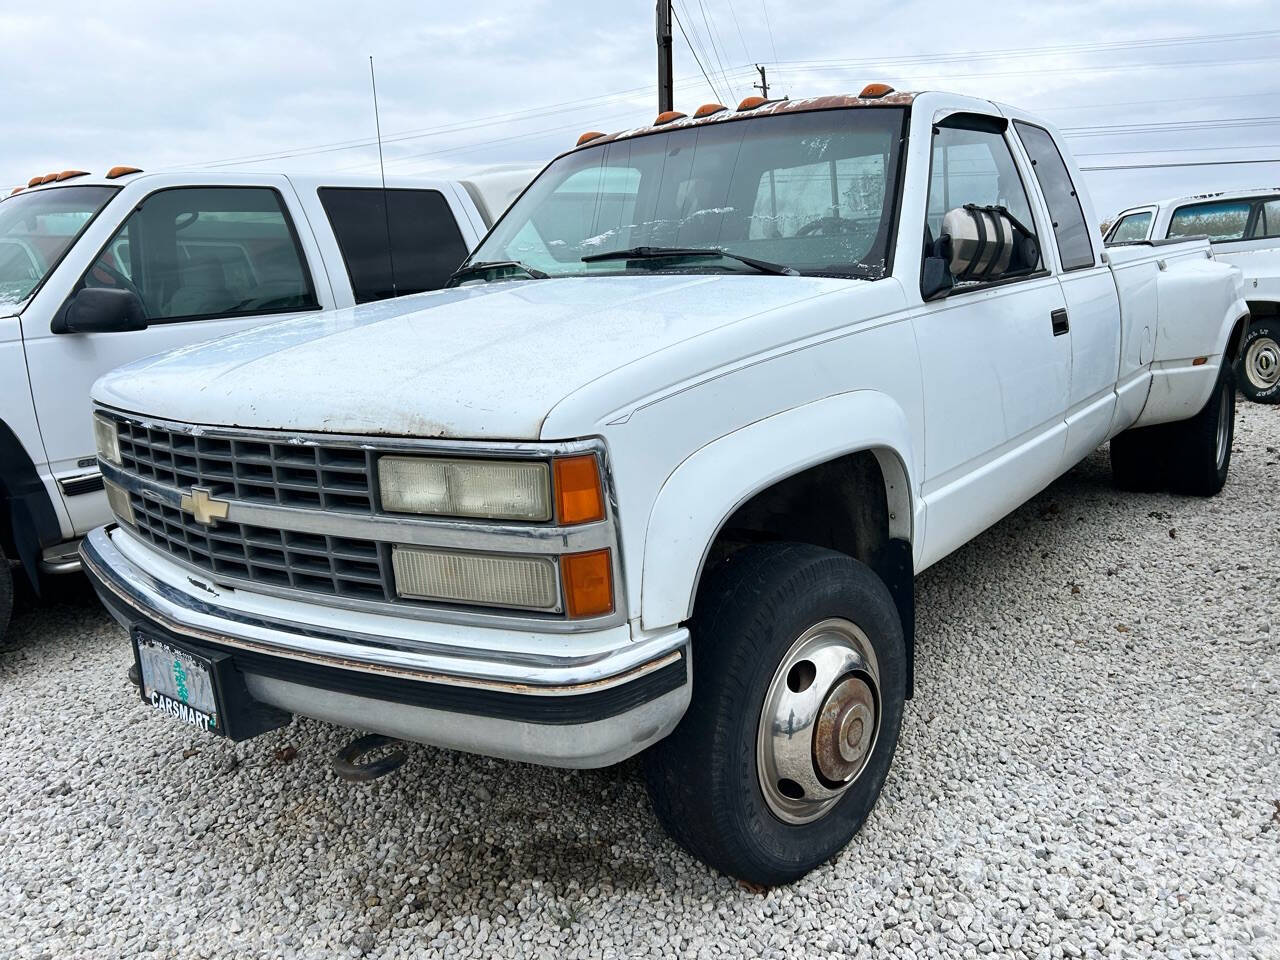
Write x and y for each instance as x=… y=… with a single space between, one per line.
x=158 y=84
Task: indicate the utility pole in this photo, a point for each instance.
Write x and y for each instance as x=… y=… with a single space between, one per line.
x=666 y=92
x=763 y=85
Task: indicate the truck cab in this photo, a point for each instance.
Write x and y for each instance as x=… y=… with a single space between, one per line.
x=1243 y=227
x=98 y=271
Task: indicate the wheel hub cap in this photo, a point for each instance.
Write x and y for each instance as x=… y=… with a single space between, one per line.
x=819 y=721
x=1262 y=363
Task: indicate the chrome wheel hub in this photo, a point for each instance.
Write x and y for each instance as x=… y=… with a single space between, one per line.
x=820 y=720
x=1262 y=363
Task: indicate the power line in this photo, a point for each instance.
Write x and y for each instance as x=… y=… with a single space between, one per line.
x=764 y=6
x=746 y=54
x=1173 y=126
x=713 y=35
x=1135 y=153
x=1188 y=163
x=1088 y=47
x=697 y=59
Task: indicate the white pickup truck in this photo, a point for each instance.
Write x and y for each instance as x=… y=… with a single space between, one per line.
x=96 y=271
x=657 y=471
x=1244 y=228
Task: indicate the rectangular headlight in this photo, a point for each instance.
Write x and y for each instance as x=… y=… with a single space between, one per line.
x=426 y=574
x=118 y=501
x=107 y=438
x=490 y=489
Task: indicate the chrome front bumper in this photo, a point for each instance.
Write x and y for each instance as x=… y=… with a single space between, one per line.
x=582 y=700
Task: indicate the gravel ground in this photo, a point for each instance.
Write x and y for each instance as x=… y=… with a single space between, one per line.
x=1091 y=767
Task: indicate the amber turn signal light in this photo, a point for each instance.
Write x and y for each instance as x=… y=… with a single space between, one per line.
x=588 y=583
x=579 y=498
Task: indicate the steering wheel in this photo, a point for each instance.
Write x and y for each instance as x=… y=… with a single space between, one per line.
x=828 y=226
x=117 y=279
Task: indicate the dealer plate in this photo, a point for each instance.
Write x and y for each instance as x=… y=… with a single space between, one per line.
x=178 y=683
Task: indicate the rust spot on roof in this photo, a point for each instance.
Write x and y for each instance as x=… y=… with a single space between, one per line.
x=748 y=109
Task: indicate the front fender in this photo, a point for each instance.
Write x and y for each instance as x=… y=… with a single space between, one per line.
x=704 y=491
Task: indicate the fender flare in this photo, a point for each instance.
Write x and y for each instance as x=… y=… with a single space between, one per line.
x=703 y=492
x=31 y=521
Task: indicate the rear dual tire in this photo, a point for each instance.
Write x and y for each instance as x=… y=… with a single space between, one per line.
x=1191 y=457
x=799 y=683
x=1258 y=369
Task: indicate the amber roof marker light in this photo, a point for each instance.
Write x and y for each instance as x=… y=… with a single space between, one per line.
x=589 y=136
x=874 y=91
x=70 y=174
x=116 y=172
x=667 y=116
x=709 y=109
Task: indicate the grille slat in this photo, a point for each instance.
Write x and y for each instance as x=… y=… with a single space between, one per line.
x=276 y=474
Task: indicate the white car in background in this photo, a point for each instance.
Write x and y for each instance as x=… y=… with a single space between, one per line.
x=97 y=271
x=1244 y=228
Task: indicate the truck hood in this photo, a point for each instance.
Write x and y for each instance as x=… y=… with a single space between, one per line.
x=483 y=362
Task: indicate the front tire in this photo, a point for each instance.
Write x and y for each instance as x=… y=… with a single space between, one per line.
x=1258 y=368
x=799 y=684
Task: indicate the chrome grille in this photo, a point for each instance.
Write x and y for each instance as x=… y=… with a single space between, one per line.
x=308 y=475
x=288 y=474
x=322 y=564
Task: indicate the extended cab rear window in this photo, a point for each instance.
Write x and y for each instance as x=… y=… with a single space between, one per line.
x=1069 y=227
x=394 y=242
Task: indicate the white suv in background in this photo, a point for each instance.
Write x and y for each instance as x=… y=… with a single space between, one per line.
x=97 y=271
x=1244 y=228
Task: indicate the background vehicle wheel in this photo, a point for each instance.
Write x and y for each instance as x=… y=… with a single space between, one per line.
x=1259 y=364
x=1200 y=448
x=6 y=593
x=799 y=679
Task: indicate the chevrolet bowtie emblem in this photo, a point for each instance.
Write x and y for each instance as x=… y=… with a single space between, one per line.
x=203 y=507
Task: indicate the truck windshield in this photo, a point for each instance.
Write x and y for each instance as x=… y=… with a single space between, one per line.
x=36 y=229
x=815 y=192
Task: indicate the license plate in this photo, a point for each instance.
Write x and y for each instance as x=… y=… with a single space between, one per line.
x=178 y=683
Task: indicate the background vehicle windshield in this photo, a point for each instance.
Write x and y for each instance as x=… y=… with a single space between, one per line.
x=814 y=191
x=36 y=229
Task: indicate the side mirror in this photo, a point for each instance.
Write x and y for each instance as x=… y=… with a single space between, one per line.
x=101 y=310
x=936 y=279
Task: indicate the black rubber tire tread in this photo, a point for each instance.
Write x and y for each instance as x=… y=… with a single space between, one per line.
x=1193 y=444
x=1138 y=459
x=6 y=594
x=702 y=778
x=1262 y=327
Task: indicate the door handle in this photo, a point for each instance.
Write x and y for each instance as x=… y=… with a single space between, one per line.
x=1060 y=322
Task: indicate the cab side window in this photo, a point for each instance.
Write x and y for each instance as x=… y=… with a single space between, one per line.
x=1267 y=221
x=394 y=242
x=1131 y=229
x=1075 y=247
x=202 y=252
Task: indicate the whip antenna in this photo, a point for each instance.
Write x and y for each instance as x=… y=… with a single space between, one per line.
x=382 y=170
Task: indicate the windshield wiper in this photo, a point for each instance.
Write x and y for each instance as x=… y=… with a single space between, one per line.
x=486 y=266
x=658 y=253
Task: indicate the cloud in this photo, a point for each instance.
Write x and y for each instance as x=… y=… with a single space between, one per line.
x=163 y=85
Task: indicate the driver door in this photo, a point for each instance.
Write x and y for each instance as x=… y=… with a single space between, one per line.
x=995 y=371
